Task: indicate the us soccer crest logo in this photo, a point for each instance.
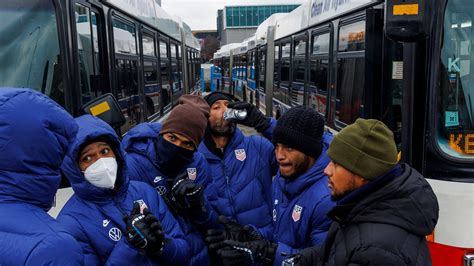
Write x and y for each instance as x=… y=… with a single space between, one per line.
x=296 y=215
x=192 y=173
x=240 y=155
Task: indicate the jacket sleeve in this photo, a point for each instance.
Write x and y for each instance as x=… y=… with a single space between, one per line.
x=268 y=133
x=373 y=255
x=134 y=169
x=121 y=254
x=176 y=249
x=60 y=249
x=209 y=219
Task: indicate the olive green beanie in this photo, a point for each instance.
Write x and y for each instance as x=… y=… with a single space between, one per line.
x=365 y=148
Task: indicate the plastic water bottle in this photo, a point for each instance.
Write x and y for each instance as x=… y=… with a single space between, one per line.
x=235 y=114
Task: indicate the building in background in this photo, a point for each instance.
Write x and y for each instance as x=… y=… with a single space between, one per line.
x=235 y=23
x=209 y=43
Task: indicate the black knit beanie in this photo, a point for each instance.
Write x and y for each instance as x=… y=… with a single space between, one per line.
x=300 y=128
x=216 y=96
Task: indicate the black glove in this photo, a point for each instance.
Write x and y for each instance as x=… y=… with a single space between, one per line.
x=232 y=231
x=255 y=118
x=304 y=257
x=250 y=252
x=187 y=196
x=144 y=231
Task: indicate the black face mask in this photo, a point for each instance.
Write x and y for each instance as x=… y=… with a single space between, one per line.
x=170 y=158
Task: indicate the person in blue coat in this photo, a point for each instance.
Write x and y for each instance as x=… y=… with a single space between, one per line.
x=115 y=220
x=34 y=135
x=165 y=157
x=300 y=194
x=242 y=167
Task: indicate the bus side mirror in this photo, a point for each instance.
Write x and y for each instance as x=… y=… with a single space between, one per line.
x=408 y=20
x=107 y=108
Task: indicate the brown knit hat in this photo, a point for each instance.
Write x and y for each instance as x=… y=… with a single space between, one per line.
x=365 y=148
x=188 y=118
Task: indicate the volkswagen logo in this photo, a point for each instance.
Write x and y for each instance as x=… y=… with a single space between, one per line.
x=115 y=234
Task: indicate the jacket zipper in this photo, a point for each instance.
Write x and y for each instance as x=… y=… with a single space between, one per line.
x=231 y=200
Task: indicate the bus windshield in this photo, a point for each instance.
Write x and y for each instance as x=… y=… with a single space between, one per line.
x=456 y=93
x=29 y=47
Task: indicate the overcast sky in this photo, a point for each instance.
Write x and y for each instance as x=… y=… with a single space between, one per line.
x=202 y=14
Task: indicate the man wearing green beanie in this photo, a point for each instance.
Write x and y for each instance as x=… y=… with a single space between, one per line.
x=384 y=208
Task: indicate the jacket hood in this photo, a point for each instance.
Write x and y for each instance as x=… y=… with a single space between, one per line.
x=407 y=201
x=34 y=136
x=140 y=139
x=293 y=188
x=91 y=128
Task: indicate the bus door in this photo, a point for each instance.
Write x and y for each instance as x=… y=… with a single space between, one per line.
x=90 y=54
x=126 y=70
x=150 y=73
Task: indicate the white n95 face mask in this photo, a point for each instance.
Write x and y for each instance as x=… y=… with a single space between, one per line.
x=102 y=173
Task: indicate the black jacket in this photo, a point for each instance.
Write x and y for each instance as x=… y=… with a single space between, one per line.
x=383 y=223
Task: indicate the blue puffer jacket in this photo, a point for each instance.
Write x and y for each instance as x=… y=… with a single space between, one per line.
x=34 y=135
x=95 y=215
x=242 y=180
x=300 y=207
x=141 y=160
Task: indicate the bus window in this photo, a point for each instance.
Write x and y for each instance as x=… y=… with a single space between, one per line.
x=148 y=44
x=297 y=84
x=30 y=55
x=174 y=69
x=165 y=73
x=124 y=38
x=456 y=92
x=150 y=72
x=352 y=37
x=88 y=53
x=262 y=69
x=350 y=73
x=276 y=69
x=319 y=72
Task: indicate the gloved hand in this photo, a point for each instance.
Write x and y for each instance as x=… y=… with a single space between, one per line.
x=255 y=118
x=250 y=252
x=304 y=257
x=232 y=231
x=144 y=231
x=187 y=196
